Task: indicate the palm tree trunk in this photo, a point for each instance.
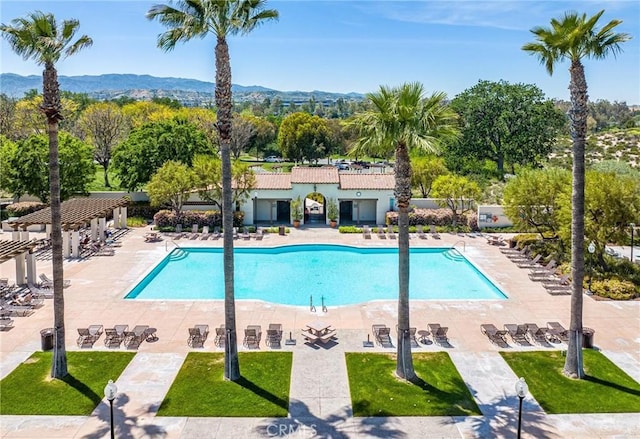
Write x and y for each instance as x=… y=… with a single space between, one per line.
x=573 y=366
x=404 y=366
x=51 y=108
x=224 y=105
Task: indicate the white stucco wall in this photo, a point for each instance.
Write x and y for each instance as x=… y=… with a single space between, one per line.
x=492 y=216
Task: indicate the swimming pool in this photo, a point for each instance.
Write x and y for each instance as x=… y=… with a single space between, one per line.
x=289 y=275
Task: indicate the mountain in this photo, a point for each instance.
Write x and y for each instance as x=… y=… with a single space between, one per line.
x=145 y=87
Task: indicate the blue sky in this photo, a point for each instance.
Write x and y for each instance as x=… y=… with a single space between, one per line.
x=345 y=46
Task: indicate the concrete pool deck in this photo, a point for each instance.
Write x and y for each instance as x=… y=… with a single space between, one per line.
x=319 y=406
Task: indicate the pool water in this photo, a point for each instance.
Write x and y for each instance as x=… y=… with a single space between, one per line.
x=289 y=275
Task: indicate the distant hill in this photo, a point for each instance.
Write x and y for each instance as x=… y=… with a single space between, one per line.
x=144 y=87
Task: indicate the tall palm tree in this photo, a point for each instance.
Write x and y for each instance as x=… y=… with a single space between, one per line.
x=402 y=119
x=199 y=18
x=574 y=37
x=39 y=37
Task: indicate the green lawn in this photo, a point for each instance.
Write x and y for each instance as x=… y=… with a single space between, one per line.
x=29 y=389
x=97 y=184
x=605 y=388
x=439 y=390
x=200 y=389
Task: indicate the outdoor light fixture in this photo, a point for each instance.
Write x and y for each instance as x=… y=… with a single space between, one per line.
x=521 y=391
x=592 y=249
x=110 y=393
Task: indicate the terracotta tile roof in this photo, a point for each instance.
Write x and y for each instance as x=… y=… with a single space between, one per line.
x=367 y=181
x=305 y=174
x=273 y=181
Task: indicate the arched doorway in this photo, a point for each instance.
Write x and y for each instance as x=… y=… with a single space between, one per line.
x=315 y=212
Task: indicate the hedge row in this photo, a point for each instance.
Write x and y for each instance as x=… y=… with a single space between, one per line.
x=439 y=217
x=142 y=209
x=24 y=208
x=211 y=218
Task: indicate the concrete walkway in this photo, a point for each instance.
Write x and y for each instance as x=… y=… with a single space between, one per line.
x=320 y=405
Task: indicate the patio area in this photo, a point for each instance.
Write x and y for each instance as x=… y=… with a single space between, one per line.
x=319 y=406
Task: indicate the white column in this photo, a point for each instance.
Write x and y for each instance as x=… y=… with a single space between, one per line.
x=47 y=230
x=25 y=235
x=102 y=222
x=75 y=243
x=31 y=268
x=66 y=247
x=20 y=269
x=15 y=235
x=123 y=217
x=116 y=218
x=94 y=229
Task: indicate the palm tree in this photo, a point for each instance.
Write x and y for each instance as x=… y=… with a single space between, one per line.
x=40 y=38
x=198 y=18
x=402 y=119
x=574 y=37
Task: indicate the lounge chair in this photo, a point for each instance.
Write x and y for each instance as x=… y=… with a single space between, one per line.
x=216 y=233
x=134 y=338
x=259 y=234
x=245 y=234
x=178 y=234
x=557 y=331
x=381 y=234
x=494 y=334
x=433 y=232
x=420 y=232
x=48 y=283
x=5 y=322
x=205 y=233
x=542 y=272
x=88 y=336
x=382 y=334
x=537 y=334
x=221 y=336
x=530 y=263
x=274 y=335
x=47 y=293
x=366 y=232
x=412 y=336
x=112 y=339
x=495 y=240
x=194 y=232
x=20 y=310
x=518 y=333
x=440 y=335
x=252 y=336
x=197 y=336
x=390 y=232
x=514 y=251
x=552 y=282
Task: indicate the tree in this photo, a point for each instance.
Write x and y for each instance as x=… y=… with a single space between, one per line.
x=198 y=18
x=506 y=123
x=171 y=184
x=457 y=193
x=208 y=179
x=265 y=133
x=243 y=132
x=304 y=137
x=39 y=37
x=7 y=114
x=105 y=126
x=28 y=116
x=425 y=170
x=402 y=119
x=150 y=146
x=531 y=200
x=572 y=38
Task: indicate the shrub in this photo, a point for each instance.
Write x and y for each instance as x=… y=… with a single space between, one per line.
x=142 y=209
x=136 y=221
x=168 y=219
x=439 y=217
x=614 y=289
x=24 y=208
x=349 y=229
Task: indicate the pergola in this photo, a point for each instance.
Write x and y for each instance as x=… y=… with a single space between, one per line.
x=22 y=252
x=75 y=214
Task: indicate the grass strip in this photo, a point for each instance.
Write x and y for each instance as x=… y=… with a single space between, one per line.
x=200 y=388
x=604 y=389
x=30 y=390
x=377 y=391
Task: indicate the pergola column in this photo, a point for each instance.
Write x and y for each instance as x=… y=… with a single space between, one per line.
x=31 y=268
x=75 y=243
x=66 y=247
x=102 y=223
x=123 y=217
x=47 y=231
x=15 y=234
x=116 y=218
x=20 y=269
x=24 y=236
x=94 y=229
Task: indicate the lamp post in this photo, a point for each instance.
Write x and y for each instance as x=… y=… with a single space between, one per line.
x=521 y=391
x=633 y=226
x=592 y=249
x=110 y=393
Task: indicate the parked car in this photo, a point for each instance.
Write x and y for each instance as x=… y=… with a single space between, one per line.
x=273 y=159
x=342 y=166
